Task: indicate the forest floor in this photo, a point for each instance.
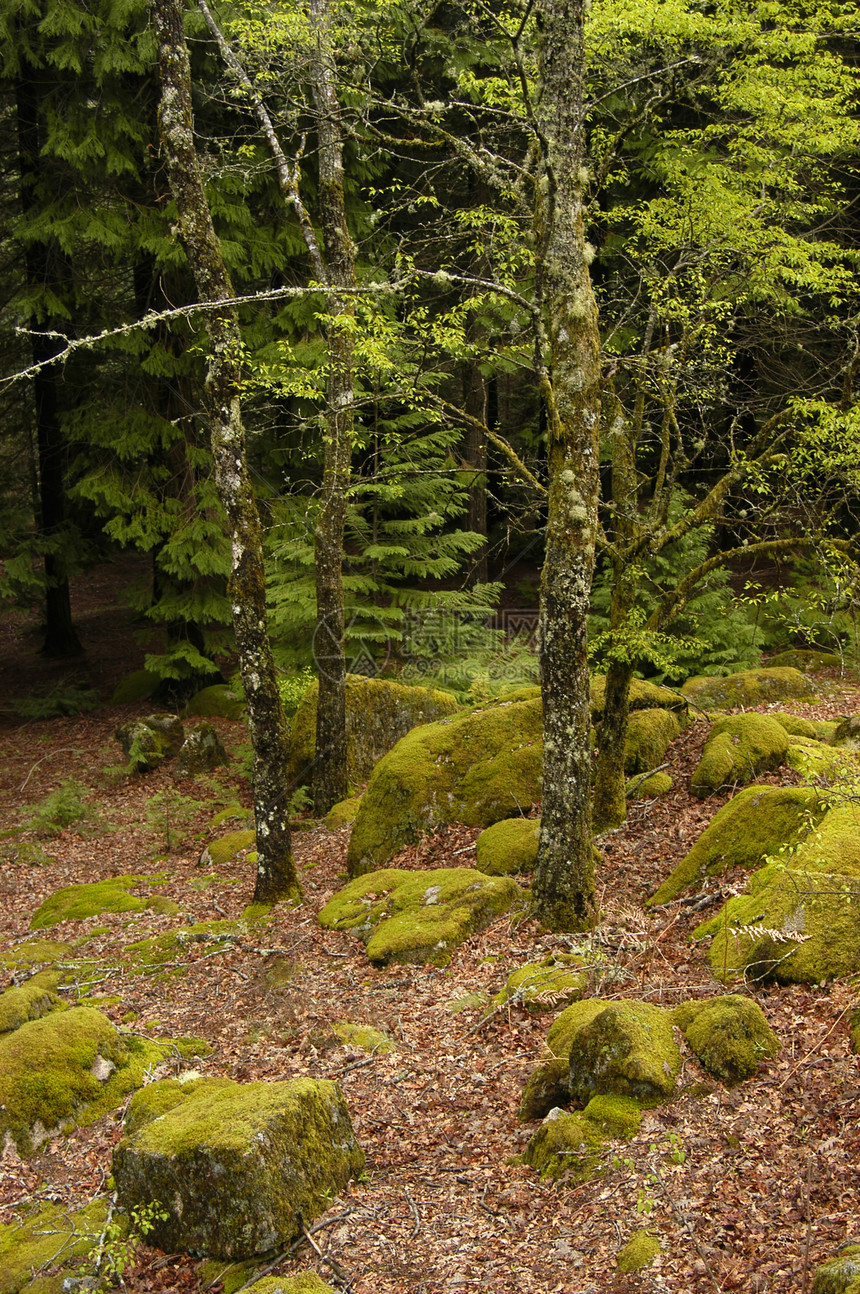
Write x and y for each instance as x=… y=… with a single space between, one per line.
x=747 y=1189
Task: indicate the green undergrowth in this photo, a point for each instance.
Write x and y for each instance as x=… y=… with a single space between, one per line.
x=67 y=806
x=54 y=1243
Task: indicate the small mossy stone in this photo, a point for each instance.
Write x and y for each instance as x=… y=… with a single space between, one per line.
x=795 y=725
x=223 y=850
x=546 y=985
x=476 y=768
x=738 y=749
x=639 y=788
x=642 y=696
x=546 y=1087
x=219 y=701
x=805 y=659
x=508 y=847
x=824 y=729
x=847 y=734
x=418 y=917
x=565 y=1146
x=136 y=686
x=79 y=902
x=615 y=1116
x=649 y=734
x=148 y=742
x=51 y=1238
x=239 y=1167
x=342 y=813
x=626 y=1050
x=841 y=1275
x=378 y=713
x=729 y=1034
x=301 y=1283
x=639 y=1251
x=201 y=752
x=29 y=1001
x=754 y=824
x=749 y=687
x=364 y=1036
x=231 y=1277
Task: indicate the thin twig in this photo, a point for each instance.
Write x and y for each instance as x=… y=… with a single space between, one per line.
x=820 y=1043
x=804 y=1284
x=658 y=1177
x=411 y=1204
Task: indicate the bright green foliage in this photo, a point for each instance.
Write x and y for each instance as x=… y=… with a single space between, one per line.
x=64 y=807
x=30 y=1245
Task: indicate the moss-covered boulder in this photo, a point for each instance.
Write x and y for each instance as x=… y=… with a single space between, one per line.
x=847 y=734
x=749 y=687
x=799 y=919
x=508 y=847
x=729 y=1034
x=48 y=1251
x=547 y=1086
x=29 y=1001
x=363 y=1036
x=649 y=733
x=301 y=1283
x=147 y=743
x=646 y=788
x=796 y=726
x=78 y=902
x=755 y=823
x=225 y=848
x=67 y=1068
x=841 y=1275
x=219 y=701
x=643 y=696
x=418 y=917
x=639 y=1251
x=739 y=748
x=378 y=714
x=565 y=1146
x=201 y=751
x=342 y=813
x=627 y=1050
x=237 y=1167
x=546 y=985
x=475 y=768
x=806 y=658
x=136 y=686
x=614 y=1116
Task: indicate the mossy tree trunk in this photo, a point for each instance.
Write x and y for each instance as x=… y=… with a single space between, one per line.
x=330 y=776
x=276 y=875
x=563 y=893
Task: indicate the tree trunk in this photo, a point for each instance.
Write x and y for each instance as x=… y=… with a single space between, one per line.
x=276 y=875
x=475 y=404
x=61 y=637
x=610 y=786
x=563 y=892
x=330 y=775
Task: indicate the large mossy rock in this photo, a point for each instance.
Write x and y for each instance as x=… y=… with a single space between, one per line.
x=201 y=751
x=749 y=687
x=799 y=919
x=418 y=917
x=755 y=823
x=565 y=1146
x=66 y=1068
x=237 y=1168
x=840 y=1275
x=643 y=696
x=508 y=847
x=627 y=1049
x=29 y=1001
x=806 y=658
x=847 y=734
x=220 y=701
x=649 y=733
x=78 y=902
x=729 y=1034
x=51 y=1239
x=147 y=743
x=475 y=768
x=378 y=714
x=739 y=748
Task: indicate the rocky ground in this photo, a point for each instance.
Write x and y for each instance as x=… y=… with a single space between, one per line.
x=747 y=1189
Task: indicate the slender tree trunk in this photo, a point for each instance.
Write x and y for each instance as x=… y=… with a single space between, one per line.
x=330 y=766
x=61 y=637
x=276 y=875
x=610 y=787
x=475 y=403
x=563 y=893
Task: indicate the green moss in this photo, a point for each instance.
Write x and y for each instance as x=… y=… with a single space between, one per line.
x=615 y=1116
x=48 y=1072
x=747 y=688
x=150 y=954
x=342 y=813
x=217 y=701
x=796 y=725
x=136 y=686
x=565 y=1028
x=418 y=916
x=643 y=696
x=79 y=902
x=657 y=784
x=817 y=762
x=508 y=847
x=221 y=851
x=29 y=1001
x=52 y=1239
x=754 y=824
x=626 y=1050
x=475 y=768
x=729 y=1034
x=805 y=659
x=543 y=986
x=378 y=714
x=639 y=1251
x=840 y=1275
x=739 y=747
x=565 y=1146
x=363 y=1036
x=301 y=1283
x=237 y=1166
x=825 y=728
x=233 y=813
x=649 y=733
x=231 y=1276
x=855 y=1031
